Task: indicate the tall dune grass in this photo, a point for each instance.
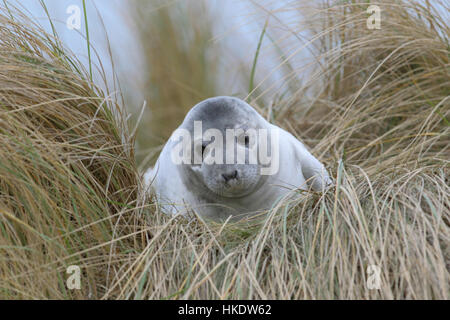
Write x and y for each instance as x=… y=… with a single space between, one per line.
x=67 y=173
x=374 y=106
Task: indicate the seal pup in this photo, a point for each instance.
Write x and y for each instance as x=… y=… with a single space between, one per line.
x=247 y=174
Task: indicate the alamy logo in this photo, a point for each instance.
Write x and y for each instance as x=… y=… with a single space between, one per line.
x=374 y=279
x=74 y=20
x=74 y=280
x=242 y=147
x=374 y=21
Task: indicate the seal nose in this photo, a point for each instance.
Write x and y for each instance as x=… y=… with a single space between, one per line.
x=229 y=176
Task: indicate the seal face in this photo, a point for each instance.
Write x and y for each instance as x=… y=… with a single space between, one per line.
x=231 y=180
x=225 y=159
x=224 y=178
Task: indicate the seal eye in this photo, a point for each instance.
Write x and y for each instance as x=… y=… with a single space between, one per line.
x=203 y=149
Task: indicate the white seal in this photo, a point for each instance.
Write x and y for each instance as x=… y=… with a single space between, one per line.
x=225 y=159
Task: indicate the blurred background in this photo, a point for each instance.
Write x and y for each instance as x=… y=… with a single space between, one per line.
x=166 y=56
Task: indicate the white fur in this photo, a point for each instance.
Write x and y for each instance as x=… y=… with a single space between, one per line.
x=298 y=169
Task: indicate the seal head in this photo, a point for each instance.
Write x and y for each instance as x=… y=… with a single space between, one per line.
x=229 y=179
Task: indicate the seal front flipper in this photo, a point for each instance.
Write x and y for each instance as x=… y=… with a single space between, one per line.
x=312 y=169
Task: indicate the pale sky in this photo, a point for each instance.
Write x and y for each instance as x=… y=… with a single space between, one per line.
x=239 y=25
x=115 y=19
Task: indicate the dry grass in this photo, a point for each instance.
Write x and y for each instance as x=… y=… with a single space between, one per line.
x=67 y=173
x=375 y=106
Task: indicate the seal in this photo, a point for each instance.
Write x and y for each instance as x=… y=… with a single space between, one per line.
x=256 y=166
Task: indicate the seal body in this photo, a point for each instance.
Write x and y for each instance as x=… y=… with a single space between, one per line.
x=255 y=166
